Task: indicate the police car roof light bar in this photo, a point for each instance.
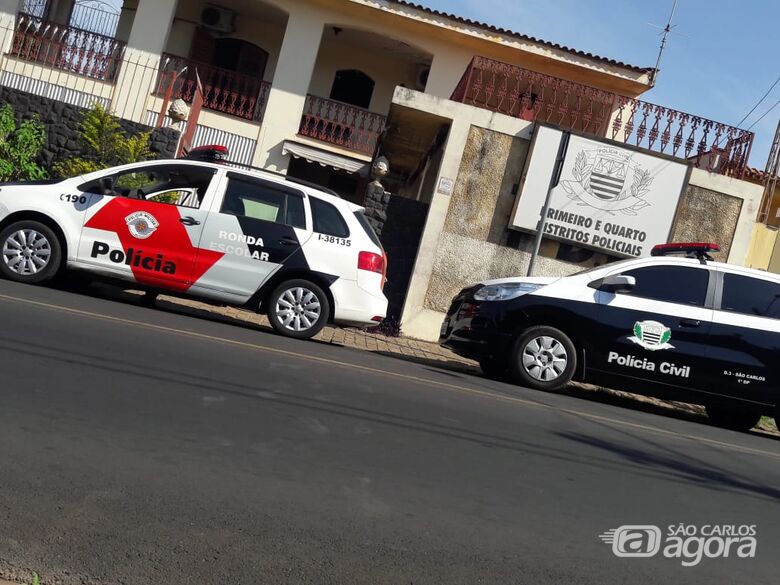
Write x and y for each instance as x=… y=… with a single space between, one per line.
x=218 y=153
x=699 y=250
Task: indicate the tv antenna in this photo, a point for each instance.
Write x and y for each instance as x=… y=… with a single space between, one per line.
x=667 y=30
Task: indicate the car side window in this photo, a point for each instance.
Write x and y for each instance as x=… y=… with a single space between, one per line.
x=248 y=197
x=327 y=219
x=683 y=285
x=182 y=185
x=750 y=296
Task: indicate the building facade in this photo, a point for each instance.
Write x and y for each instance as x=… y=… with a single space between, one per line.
x=320 y=88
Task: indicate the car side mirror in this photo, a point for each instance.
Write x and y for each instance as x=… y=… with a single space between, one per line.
x=614 y=284
x=107 y=184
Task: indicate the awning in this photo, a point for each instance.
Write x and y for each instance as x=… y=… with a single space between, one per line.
x=325 y=158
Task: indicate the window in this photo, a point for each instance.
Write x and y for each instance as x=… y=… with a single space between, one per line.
x=352 y=87
x=672 y=284
x=751 y=296
x=369 y=229
x=182 y=185
x=327 y=219
x=247 y=197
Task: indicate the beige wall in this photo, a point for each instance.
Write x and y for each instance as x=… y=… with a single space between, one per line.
x=268 y=35
x=466 y=237
x=387 y=71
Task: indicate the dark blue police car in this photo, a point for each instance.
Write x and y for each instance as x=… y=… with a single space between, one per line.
x=675 y=325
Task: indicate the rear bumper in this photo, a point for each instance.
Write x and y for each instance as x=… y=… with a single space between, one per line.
x=356 y=307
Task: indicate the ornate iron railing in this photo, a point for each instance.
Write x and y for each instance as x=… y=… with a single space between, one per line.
x=67 y=48
x=341 y=124
x=533 y=96
x=223 y=90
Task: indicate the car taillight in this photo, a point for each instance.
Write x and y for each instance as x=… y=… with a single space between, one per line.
x=371 y=262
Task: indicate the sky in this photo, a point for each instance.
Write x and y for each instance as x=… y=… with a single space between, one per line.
x=721 y=58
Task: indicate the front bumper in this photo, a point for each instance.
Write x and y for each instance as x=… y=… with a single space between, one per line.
x=471 y=328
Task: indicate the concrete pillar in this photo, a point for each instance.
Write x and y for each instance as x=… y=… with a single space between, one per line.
x=138 y=74
x=290 y=85
x=447 y=68
x=8 y=10
x=126 y=17
x=59 y=11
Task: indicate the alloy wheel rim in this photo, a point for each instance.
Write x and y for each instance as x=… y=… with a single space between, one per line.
x=298 y=309
x=26 y=252
x=545 y=358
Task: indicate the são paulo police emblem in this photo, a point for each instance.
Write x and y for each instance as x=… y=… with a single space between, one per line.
x=141 y=224
x=608 y=179
x=652 y=335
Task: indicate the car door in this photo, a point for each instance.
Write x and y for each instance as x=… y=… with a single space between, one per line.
x=658 y=331
x=258 y=226
x=144 y=224
x=745 y=337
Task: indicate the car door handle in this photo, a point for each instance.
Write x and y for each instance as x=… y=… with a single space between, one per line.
x=188 y=220
x=288 y=242
x=691 y=323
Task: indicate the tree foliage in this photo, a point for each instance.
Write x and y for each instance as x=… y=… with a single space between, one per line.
x=104 y=144
x=20 y=147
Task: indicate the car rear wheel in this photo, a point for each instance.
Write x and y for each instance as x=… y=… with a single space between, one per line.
x=298 y=308
x=543 y=358
x=736 y=418
x=30 y=252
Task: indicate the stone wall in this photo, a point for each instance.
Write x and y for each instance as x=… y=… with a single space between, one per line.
x=476 y=243
x=704 y=215
x=62 y=121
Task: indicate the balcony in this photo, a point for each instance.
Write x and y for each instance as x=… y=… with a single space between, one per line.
x=341 y=125
x=533 y=96
x=68 y=48
x=224 y=91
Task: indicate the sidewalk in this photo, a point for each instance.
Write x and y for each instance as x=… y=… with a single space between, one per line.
x=404 y=347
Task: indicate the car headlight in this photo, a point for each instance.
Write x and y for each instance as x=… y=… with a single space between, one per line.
x=505 y=292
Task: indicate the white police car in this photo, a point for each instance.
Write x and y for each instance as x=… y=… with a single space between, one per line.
x=202 y=229
x=682 y=328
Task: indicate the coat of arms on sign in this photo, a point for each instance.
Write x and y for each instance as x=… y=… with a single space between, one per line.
x=609 y=180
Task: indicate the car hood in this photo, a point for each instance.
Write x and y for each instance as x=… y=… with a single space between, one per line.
x=542 y=280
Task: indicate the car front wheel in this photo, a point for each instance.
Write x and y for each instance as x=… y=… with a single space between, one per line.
x=298 y=308
x=31 y=252
x=736 y=418
x=543 y=358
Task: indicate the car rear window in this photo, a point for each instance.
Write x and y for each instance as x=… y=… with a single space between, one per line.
x=751 y=296
x=369 y=229
x=327 y=219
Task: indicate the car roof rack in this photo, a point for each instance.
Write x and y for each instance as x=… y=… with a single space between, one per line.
x=217 y=153
x=699 y=250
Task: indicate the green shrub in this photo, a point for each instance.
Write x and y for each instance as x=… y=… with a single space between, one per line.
x=104 y=144
x=20 y=147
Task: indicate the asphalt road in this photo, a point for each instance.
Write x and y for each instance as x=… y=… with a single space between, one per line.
x=144 y=446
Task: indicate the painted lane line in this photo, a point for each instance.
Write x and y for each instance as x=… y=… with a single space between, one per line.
x=426 y=381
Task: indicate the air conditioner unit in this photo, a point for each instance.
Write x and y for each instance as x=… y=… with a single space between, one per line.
x=218 y=19
x=422 y=77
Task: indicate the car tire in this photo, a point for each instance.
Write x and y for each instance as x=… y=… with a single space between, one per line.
x=298 y=308
x=30 y=252
x=493 y=368
x=543 y=358
x=735 y=418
